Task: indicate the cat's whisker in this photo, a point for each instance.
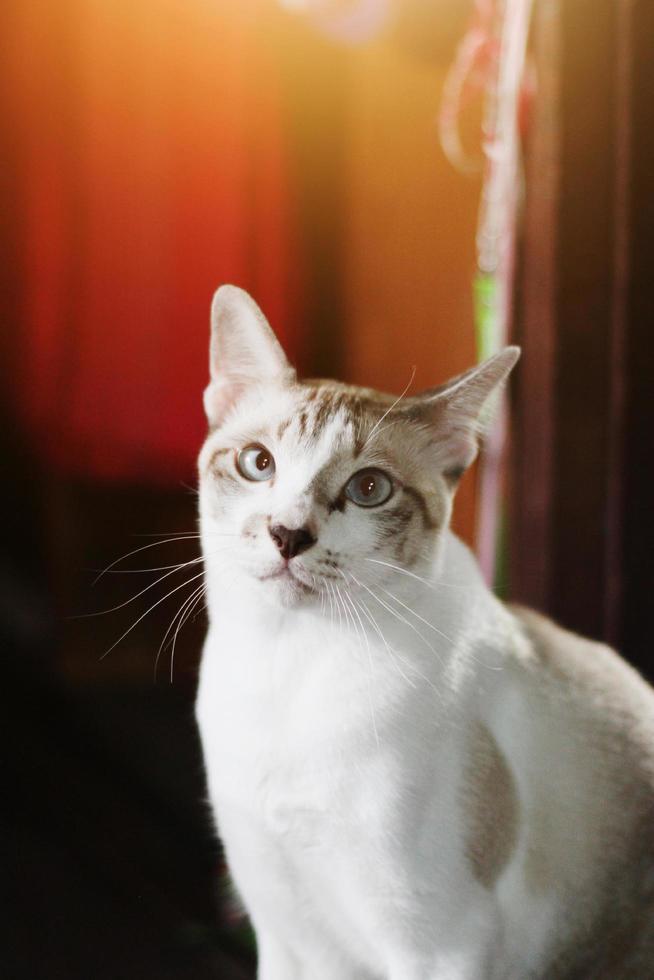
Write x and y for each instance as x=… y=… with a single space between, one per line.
x=149 y=610
x=370 y=665
x=412 y=667
x=338 y=608
x=414 y=670
x=389 y=410
x=199 y=593
x=184 y=619
x=331 y=603
x=433 y=585
x=193 y=490
x=417 y=615
x=404 y=571
x=182 y=535
x=409 y=664
x=152 y=585
x=341 y=616
x=437 y=630
x=348 y=618
x=375 y=625
x=401 y=619
x=142 y=571
x=398 y=657
x=152 y=544
x=173 y=535
x=162 y=645
x=389 y=425
x=319 y=591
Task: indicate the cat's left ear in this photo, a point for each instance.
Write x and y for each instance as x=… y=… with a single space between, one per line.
x=244 y=352
x=457 y=410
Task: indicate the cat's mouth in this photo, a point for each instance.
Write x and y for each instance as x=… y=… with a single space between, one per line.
x=286 y=574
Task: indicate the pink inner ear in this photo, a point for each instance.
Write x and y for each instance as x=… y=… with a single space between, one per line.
x=220 y=398
x=457 y=450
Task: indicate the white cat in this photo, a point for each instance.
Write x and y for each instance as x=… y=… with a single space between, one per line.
x=411 y=780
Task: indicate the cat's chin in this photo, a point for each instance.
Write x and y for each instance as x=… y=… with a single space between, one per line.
x=286 y=589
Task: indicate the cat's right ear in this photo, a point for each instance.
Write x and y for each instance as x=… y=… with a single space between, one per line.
x=243 y=352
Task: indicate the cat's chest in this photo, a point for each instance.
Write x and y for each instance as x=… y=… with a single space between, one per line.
x=296 y=738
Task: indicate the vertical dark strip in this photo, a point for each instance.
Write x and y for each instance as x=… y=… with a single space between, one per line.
x=638 y=524
x=582 y=491
x=584 y=301
x=618 y=327
x=536 y=323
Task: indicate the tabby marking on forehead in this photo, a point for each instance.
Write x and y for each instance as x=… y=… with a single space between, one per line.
x=490 y=808
x=282 y=428
x=323 y=404
x=326 y=401
x=327 y=407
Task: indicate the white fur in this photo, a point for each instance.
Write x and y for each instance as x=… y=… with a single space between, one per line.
x=335 y=731
x=333 y=777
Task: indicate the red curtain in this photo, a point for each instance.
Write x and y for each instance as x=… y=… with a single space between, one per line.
x=149 y=144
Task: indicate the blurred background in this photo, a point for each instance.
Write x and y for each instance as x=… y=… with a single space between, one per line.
x=328 y=156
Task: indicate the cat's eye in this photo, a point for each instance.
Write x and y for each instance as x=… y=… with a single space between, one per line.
x=255 y=463
x=369 y=488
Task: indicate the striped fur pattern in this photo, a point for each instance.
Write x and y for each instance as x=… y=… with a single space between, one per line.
x=320 y=435
x=411 y=780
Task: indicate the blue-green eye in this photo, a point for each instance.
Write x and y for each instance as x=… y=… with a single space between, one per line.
x=255 y=463
x=369 y=488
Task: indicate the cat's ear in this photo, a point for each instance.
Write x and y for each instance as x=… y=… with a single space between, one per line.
x=243 y=352
x=458 y=411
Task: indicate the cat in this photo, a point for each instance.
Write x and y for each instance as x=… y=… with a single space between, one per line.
x=411 y=780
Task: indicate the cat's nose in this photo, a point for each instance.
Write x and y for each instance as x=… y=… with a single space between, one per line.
x=291 y=542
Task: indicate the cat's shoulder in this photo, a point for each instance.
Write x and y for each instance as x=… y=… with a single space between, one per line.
x=583 y=670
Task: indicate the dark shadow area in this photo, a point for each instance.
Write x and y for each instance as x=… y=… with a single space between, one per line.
x=114 y=869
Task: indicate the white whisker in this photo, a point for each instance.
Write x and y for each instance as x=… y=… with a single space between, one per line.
x=127 y=602
x=153 y=544
x=433 y=585
x=437 y=630
x=404 y=571
x=178 y=612
x=334 y=589
x=400 y=618
x=153 y=606
x=370 y=675
x=389 y=410
x=373 y=622
x=349 y=619
x=417 y=615
x=184 y=618
x=331 y=602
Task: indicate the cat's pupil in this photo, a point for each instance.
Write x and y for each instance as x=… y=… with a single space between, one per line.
x=368 y=486
x=262 y=461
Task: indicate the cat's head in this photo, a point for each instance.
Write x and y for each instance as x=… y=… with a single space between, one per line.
x=310 y=486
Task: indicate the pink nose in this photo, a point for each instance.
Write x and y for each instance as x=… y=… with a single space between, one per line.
x=291 y=542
